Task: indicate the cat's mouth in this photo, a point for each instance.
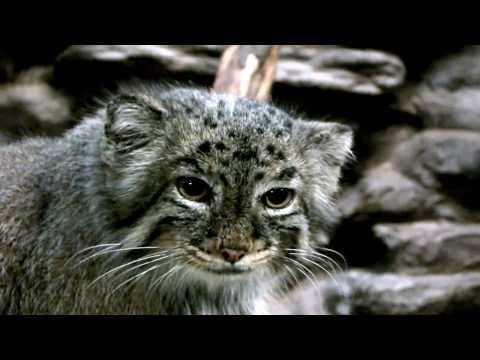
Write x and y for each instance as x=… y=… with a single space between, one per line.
x=216 y=265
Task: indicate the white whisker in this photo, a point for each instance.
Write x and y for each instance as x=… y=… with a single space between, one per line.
x=135 y=277
x=157 y=257
x=310 y=278
x=104 y=252
x=292 y=274
x=334 y=266
x=157 y=283
x=328 y=273
x=90 y=248
x=345 y=263
x=339 y=286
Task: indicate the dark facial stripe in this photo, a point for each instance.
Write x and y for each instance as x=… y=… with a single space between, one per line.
x=259 y=176
x=259 y=231
x=137 y=254
x=284 y=217
x=224 y=179
x=287 y=174
x=304 y=206
x=162 y=224
x=220 y=146
x=205 y=147
x=177 y=203
x=280 y=156
x=246 y=155
x=292 y=229
x=137 y=214
x=190 y=161
x=209 y=122
x=289 y=236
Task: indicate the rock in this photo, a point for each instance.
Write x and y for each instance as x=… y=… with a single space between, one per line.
x=395 y=294
x=176 y=58
x=14 y=59
x=6 y=68
x=310 y=300
x=457 y=70
x=443 y=160
x=335 y=68
x=320 y=66
x=449 y=95
x=30 y=106
x=384 y=193
x=418 y=59
x=375 y=148
x=388 y=294
x=322 y=297
x=4 y=139
x=431 y=247
x=442 y=108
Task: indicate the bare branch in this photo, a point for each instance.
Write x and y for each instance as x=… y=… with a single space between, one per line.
x=248 y=71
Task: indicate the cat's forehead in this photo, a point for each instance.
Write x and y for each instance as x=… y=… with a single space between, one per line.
x=211 y=110
x=239 y=135
x=238 y=158
x=232 y=120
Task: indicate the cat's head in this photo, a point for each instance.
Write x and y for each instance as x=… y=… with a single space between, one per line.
x=219 y=187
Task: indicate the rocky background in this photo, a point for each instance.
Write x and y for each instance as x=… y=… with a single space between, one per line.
x=410 y=207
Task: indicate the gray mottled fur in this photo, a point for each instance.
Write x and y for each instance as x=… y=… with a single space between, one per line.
x=111 y=180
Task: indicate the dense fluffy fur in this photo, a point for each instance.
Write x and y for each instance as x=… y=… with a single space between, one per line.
x=111 y=180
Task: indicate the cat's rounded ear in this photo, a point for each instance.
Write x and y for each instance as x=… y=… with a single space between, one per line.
x=332 y=141
x=130 y=125
x=130 y=122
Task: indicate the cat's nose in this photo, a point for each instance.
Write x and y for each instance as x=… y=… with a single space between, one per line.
x=233 y=256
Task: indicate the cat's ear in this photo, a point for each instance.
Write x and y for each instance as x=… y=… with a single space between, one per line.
x=130 y=124
x=332 y=142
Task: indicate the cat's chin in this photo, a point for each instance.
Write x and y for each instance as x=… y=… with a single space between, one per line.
x=214 y=266
x=217 y=274
x=222 y=270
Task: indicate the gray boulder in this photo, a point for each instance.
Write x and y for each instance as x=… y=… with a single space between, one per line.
x=446 y=109
x=323 y=296
x=30 y=107
x=449 y=95
x=455 y=71
x=327 y=67
x=367 y=72
x=4 y=139
x=431 y=247
x=443 y=160
x=387 y=294
x=397 y=294
x=378 y=146
x=385 y=193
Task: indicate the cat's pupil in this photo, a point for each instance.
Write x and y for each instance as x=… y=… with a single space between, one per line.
x=279 y=198
x=193 y=189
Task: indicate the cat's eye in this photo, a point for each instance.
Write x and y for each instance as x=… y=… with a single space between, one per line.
x=279 y=198
x=193 y=189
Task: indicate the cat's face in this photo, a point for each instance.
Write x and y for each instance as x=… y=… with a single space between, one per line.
x=220 y=186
